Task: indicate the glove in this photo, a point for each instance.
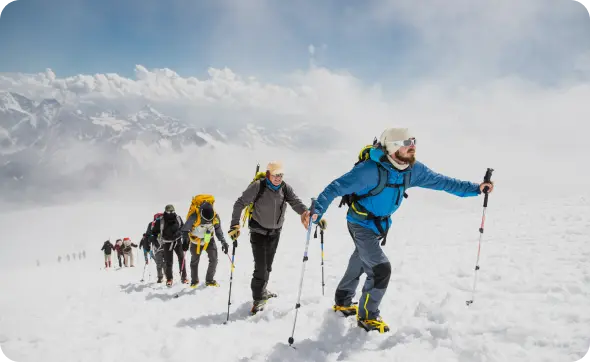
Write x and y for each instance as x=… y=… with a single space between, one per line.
x=234 y=234
x=224 y=247
x=323 y=224
x=185 y=245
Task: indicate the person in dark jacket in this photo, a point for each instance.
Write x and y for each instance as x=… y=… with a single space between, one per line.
x=199 y=228
x=167 y=230
x=268 y=214
x=107 y=247
x=118 y=247
x=153 y=247
x=144 y=244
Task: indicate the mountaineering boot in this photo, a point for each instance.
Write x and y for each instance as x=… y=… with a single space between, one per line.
x=347 y=310
x=376 y=324
x=194 y=284
x=169 y=283
x=211 y=283
x=257 y=306
x=159 y=280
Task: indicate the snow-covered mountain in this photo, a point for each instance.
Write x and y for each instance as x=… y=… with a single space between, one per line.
x=48 y=146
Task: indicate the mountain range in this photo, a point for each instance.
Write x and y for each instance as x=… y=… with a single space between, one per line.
x=48 y=147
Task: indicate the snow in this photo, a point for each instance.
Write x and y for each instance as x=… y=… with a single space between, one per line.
x=108 y=120
x=210 y=139
x=531 y=301
x=7 y=102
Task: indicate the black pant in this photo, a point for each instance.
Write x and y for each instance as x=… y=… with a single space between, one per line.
x=264 y=248
x=169 y=258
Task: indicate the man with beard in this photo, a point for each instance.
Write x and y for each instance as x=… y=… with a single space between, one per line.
x=167 y=230
x=374 y=189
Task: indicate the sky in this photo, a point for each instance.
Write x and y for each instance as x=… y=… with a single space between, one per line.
x=395 y=43
x=462 y=75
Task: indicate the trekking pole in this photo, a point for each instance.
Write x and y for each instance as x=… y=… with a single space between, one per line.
x=487 y=178
x=291 y=340
x=149 y=270
x=182 y=266
x=315 y=236
x=322 y=243
x=231 y=278
x=143 y=275
x=180 y=272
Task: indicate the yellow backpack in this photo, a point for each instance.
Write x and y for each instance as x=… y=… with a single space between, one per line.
x=260 y=175
x=195 y=207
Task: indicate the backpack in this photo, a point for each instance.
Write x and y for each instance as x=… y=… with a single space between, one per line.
x=249 y=209
x=162 y=222
x=196 y=204
x=351 y=199
x=126 y=245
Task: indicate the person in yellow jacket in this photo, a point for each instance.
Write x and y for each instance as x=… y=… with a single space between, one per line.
x=202 y=225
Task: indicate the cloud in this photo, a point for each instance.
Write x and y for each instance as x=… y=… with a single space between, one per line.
x=471 y=42
x=316 y=92
x=527 y=132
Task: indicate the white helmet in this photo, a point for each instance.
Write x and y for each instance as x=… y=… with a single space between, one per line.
x=392 y=138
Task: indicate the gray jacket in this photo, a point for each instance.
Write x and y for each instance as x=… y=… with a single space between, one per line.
x=267 y=210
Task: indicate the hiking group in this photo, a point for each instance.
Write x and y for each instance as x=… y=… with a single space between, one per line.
x=124 y=248
x=373 y=190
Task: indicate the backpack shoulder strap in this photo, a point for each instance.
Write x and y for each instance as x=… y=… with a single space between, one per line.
x=260 y=191
x=406 y=183
x=382 y=183
x=282 y=210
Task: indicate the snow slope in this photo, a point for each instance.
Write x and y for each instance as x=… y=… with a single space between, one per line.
x=531 y=302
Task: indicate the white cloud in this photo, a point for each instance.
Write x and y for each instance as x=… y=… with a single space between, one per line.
x=528 y=133
x=471 y=41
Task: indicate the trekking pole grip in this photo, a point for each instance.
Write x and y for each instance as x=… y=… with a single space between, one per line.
x=311 y=208
x=487 y=179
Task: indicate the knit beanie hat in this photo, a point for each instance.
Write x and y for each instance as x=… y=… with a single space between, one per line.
x=392 y=135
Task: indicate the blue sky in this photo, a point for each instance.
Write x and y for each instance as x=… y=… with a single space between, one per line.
x=393 y=42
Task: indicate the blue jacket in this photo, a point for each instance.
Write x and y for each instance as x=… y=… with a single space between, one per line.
x=365 y=176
